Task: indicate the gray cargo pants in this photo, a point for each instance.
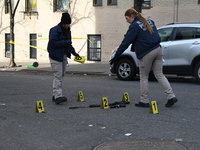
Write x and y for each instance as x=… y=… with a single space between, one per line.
x=153 y=61
x=59 y=69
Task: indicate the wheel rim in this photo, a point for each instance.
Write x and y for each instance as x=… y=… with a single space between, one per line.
x=198 y=72
x=124 y=70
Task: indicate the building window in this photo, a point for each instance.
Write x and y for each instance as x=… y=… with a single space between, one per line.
x=112 y=2
x=60 y=5
x=31 y=5
x=146 y=4
x=7 y=45
x=97 y=3
x=33 y=43
x=94 y=48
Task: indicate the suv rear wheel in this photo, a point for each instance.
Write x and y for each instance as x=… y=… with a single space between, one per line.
x=197 y=72
x=125 y=70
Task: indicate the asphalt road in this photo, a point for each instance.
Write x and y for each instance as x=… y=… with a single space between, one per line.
x=21 y=128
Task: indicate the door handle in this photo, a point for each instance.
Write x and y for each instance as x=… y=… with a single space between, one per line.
x=164 y=47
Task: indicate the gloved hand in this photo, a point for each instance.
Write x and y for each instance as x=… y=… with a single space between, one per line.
x=76 y=54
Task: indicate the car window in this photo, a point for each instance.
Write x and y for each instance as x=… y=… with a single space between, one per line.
x=197 y=33
x=165 y=34
x=185 y=33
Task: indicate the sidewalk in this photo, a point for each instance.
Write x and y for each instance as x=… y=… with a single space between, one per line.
x=76 y=68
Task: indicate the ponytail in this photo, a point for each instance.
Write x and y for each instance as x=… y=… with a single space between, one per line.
x=138 y=15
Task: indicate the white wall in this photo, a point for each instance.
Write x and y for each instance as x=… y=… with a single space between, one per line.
x=106 y=20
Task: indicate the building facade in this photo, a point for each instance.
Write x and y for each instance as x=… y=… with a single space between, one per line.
x=98 y=26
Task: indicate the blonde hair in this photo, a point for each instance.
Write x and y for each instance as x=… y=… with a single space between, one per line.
x=138 y=15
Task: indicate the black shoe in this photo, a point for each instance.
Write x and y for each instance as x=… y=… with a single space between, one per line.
x=171 y=102
x=140 y=104
x=60 y=100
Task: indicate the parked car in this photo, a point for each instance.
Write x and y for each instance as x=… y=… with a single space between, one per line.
x=181 y=53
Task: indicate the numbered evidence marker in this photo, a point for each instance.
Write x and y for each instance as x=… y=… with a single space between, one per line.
x=126 y=97
x=104 y=103
x=80 y=96
x=80 y=59
x=153 y=107
x=39 y=107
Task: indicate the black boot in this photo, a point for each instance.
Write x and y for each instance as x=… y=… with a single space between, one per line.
x=140 y=104
x=171 y=102
x=60 y=100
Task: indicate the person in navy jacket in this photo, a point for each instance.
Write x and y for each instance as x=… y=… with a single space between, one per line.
x=59 y=48
x=145 y=40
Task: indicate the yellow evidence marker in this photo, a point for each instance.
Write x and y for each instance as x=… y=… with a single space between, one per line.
x=80 y=97
x=126 y=97
x=39 y=107
x=104 y=103
x=153 y=107
x=80 y=59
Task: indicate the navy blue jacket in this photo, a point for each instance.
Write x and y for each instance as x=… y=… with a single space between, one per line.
x=142 y=40
x=59 y=44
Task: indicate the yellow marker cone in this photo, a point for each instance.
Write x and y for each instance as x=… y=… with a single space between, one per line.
x=80 y=59
x=104 y=103
x=39 y=107
x=126 y=97
x=80 y=96
x=153 y=107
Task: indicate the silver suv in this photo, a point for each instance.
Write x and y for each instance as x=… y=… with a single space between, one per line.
x=181 y=53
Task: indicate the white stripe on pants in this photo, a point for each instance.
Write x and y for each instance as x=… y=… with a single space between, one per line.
x=59 y=69
x=153 y=61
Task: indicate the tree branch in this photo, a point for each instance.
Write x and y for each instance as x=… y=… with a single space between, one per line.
x=16 y=7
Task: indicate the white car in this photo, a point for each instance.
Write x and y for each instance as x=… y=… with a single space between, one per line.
x=181 y=52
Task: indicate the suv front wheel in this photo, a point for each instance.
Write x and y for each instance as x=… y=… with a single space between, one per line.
x=197 y=72
x=125 y=70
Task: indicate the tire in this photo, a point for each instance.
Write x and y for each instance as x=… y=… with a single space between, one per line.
x=197 y=72
x=125 y=70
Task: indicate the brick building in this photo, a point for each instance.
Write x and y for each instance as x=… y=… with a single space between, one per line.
x=97 y=26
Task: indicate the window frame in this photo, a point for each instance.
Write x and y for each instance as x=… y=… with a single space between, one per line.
x=29 y=6
x=55 y=6
x=111 y=2
x=148 y=4
x=95 y=3
x=7 y=45
x=94 y=52
x=33 y=42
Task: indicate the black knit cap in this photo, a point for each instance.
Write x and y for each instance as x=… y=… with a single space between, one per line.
x=65 y=19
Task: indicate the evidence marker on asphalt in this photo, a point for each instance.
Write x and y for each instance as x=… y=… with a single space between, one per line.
x=80 y=97
x=126 y=97
x=39 y=107
x=153 y=107
x=104 y=103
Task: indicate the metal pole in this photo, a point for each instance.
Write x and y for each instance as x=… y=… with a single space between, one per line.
x=177 y=11
x=174 y=11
